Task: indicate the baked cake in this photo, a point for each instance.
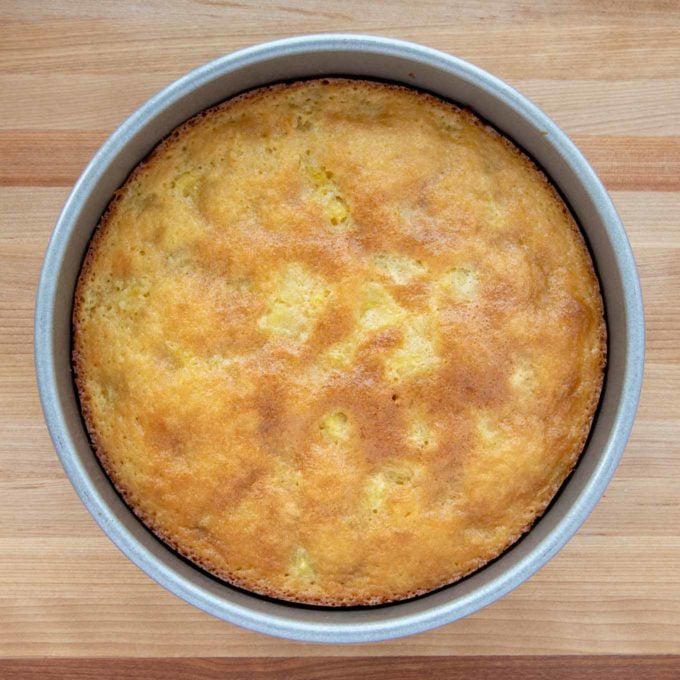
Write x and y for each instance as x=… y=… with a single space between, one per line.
x=338 y=342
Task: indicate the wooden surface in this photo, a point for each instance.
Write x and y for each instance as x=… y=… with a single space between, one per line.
x=341 y=668
x=607 y=72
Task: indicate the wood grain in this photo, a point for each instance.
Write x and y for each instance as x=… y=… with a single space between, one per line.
x=367 y=668
x=607 y=72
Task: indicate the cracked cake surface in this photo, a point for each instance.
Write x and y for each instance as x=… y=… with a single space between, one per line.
x=338 y=342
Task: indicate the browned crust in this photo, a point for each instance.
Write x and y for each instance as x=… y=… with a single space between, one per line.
x=239 y=580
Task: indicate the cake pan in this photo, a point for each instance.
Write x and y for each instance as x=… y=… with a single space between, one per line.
x=368 y=57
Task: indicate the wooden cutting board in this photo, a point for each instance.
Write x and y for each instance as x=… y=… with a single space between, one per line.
x=607 y=72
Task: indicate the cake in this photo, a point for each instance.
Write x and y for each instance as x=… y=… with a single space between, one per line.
x=338 y=342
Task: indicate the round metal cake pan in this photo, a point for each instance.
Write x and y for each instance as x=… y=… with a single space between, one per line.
x=379 y=58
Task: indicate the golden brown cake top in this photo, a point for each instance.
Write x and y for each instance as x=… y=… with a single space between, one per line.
x=338 y=342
